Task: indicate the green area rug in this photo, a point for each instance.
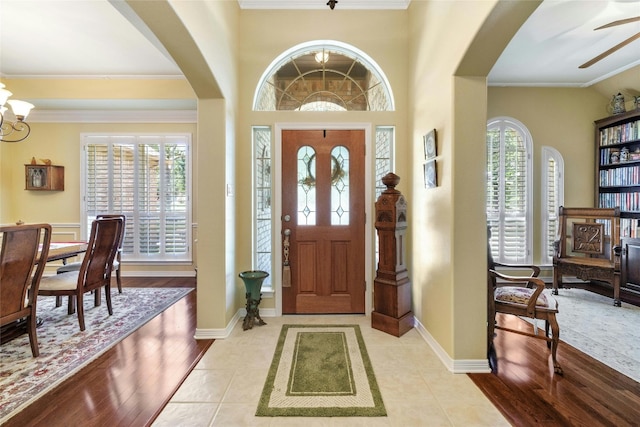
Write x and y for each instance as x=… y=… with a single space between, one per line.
x=321 y=371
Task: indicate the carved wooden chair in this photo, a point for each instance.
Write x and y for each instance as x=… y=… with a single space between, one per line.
x=75 y=266
x=523 y=299
x=589 y=247
x=95 y=270
x=22 y=261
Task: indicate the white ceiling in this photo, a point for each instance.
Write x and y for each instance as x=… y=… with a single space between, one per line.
x=91 y=38
x=560 y=36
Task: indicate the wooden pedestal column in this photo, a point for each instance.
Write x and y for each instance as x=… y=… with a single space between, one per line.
x=391 y=288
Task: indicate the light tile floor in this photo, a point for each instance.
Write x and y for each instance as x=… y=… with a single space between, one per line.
x=417 y=390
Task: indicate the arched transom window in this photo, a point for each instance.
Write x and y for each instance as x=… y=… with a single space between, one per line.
x=323 y=76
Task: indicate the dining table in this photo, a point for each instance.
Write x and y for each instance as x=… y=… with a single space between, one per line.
x=65 y=250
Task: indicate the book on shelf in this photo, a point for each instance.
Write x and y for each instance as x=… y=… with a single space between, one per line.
x=619 y=134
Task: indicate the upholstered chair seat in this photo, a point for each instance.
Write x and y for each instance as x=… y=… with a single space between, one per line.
x=518 y=295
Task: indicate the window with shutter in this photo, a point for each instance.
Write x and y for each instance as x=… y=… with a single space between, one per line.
x=146 y=177
x=509 y=190
x=552 y=199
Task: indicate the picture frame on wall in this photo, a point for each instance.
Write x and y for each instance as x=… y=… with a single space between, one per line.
x=430 y=145
x=430 y=175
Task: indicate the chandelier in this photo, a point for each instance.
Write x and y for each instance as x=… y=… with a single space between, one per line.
x=19 y=129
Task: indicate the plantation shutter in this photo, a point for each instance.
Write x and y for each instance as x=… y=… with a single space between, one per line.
x=494 y=203
x=508 y=193
x=147 y=179
x=552 y=191
x=176 y=198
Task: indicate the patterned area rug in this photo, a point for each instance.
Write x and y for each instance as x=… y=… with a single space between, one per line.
x=590 y=323
x=64 y=349
x=321 y=371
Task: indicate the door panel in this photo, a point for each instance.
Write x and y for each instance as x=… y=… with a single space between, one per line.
x=323 y=195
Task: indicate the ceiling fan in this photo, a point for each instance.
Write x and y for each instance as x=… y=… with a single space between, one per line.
x=616 y=47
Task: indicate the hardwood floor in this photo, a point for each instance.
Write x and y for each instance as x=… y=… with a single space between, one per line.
x=527 y=392
x=130 y=383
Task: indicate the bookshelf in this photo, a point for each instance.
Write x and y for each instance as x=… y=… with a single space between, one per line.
x=617 y=141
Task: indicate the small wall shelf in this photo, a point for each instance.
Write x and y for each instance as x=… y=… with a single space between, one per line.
x=44 y=177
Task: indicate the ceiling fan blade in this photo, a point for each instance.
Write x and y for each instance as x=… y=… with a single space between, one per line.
x=610 y=51
x=619 y=22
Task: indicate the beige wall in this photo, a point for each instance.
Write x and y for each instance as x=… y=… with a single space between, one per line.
x=207 y=52
x=447 y=298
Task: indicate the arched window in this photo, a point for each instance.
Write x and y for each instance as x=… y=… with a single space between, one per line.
x=323 y=76
x=509 y=190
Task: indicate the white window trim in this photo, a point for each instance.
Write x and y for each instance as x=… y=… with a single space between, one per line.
x=502 y=122
x=185 y=259
x=549 y=153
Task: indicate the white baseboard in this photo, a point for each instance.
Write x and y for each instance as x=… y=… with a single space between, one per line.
x=462 y=366
x=155 y=273
x=220 y=334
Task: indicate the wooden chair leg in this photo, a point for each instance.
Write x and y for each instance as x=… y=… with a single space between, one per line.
x=33 y=337
x=107 y=292
x=616 y=292
x=119 y=280
x=546 y=332
x=80 y=304
x=71 y=306
x=555 y=330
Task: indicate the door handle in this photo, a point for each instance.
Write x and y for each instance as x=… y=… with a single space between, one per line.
x=286 y=270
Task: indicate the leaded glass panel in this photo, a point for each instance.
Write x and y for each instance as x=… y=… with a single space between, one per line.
x=323 y=78
x=262 y=201
x=384 y=157
x=306 y=186
x=340 y=186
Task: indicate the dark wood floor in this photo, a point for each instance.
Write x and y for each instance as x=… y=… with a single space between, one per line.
x=527 y=392
x=130 y=383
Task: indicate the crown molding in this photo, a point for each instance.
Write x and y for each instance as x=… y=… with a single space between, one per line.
x=320 y=4
x=113 y=116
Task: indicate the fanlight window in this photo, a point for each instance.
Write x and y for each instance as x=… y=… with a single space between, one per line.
x=327 y=76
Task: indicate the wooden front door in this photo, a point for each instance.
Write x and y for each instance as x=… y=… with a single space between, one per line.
x=323 y=207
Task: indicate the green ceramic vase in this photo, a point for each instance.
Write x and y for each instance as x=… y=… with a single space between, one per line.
x=253 y=284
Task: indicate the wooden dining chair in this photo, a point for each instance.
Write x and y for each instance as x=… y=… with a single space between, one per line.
x=95 y=269
x=22 y=261
x=117 y=262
